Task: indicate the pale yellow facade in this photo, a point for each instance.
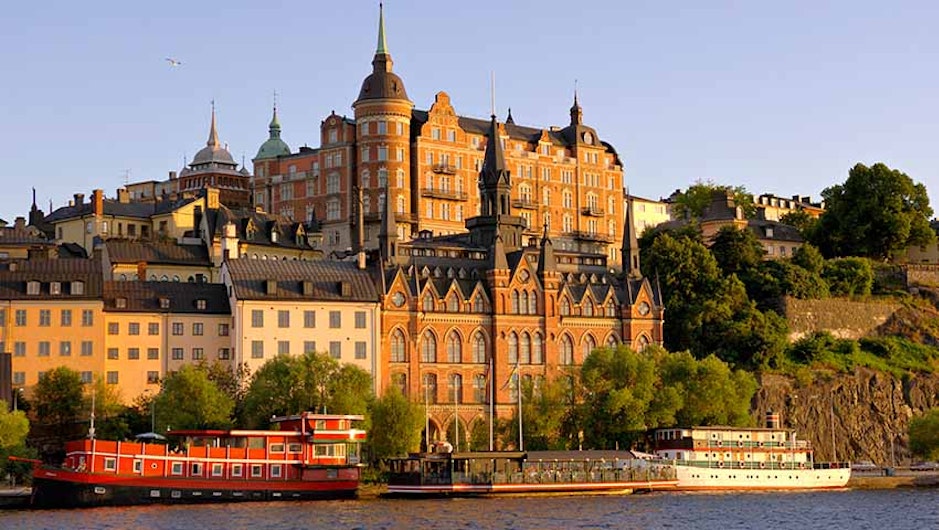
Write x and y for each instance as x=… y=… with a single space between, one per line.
x=646 y=213
x=194 y=338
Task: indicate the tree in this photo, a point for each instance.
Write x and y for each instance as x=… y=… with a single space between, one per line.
x=59 y=396
x=802 y=221
x=736 y=250
x=878 y=212
x=14 y=426
x=809 y=258
x=396 y=425
x=711 y=393
x=924 y=435
x=544 y=408
x=110 y=422
x=693 y=202
x=849 y=276
x=188 y=399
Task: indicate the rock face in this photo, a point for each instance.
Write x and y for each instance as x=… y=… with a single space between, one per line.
x=850 y=417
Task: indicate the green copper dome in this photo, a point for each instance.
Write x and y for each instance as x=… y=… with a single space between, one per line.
x=273 y=146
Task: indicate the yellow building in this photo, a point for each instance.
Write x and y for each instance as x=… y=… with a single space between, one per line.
x=647 y=213
x=293 y=307
x=51 y=316
x=154 y=328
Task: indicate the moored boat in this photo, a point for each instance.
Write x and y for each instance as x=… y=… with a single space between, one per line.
x=488 y=473
x=306 y=456
x=730 y=458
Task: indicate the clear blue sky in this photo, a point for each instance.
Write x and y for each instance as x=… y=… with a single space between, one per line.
x=781 y=97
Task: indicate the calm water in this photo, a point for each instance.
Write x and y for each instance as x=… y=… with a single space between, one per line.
x=882 y=510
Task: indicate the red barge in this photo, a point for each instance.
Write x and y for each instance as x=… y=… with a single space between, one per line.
x=306 y=456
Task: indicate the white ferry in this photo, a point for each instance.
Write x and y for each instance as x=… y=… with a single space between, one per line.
x=731 y=458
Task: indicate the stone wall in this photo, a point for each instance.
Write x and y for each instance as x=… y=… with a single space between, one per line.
x=922 y=275
x=843 y=318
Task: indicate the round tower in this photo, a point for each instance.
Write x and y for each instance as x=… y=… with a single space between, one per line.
x=383 y=132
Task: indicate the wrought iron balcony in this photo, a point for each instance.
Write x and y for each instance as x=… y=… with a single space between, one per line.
x=437 y=193
x=446 y=169
x=592 y=211
x=524 y=204
x=399 y=217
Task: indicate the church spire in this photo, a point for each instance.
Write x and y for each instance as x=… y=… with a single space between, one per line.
x=630 y=243
x=388 y=233
x=275 y=124
x=577 y=113
x=213 y=130
x=382 y=43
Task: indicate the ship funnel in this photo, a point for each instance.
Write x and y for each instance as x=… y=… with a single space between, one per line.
x=772 y=420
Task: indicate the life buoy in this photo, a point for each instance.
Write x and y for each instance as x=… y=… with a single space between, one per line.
x=743 y=465
x=762 y=465
x=782 y=465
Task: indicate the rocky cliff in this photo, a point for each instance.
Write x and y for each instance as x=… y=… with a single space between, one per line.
x=859 y=416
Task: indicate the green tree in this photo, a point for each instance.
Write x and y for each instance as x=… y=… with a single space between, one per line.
x=188 y=399
x=396 y=425
x=712 y=393
x=809 y=258
x=924 y=435
x=849 y=276
x=14 y=426
x=878 y=212
x=692 y=203
x=736 y=250
x=58 y=397
x=106 y=403
x=544 y=408
x=802 y=221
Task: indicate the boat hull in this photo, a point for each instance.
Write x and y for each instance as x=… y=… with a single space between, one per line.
x=66 y=489
x=571 y=488
x=692 y=478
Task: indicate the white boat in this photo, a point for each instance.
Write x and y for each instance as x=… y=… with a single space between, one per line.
x=733 y=458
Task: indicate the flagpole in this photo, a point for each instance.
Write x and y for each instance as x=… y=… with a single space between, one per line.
x=518 y=389
x=492 y=399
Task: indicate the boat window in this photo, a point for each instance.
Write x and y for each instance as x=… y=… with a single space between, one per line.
x=275 y=470
x=177 y=468
x=255 y=470
x=196 y=468
x=324 y=450
x=320 y=424
x=277 y=448
x=236 y=470
x=138 y=466
x=110 y=464
x=295 y=448
x=217 y=470
x=255 y=443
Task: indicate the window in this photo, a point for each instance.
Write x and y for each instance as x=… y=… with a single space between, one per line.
x=454 y=348
x=309 y=346
x=479 y=388
x=177 y=328
x=256 y=470
x=309 y=319
x=335 y=349
x=398 y=347
x=224 y=354
x=45 y=317
x=133 y=328
x=113 y=354
x=455 y=388
x=218 y=469
x=360 y=319
x=19 y=378
x=428 y=348
x=65 y=348
x=565 y=307
x=197 y=329
x=513 y=348
x=113 y=328
x=201 y=304
x=257 y=318
x=588 y=346
x=87 y=348
x=112 y=378
x=110 y=464
x=283 y=347
x=44 y=349
x=332 y=183
x=153 y=354
x=20 y=317
x=567 y=351
x=198 y=354
x=537 y=350
x=78 y=287
x=479 y=348
x=257 y=349
x=223 y=330
x=133 y=353
x=283 y=319
x=176 y=468
x=237 y=470
x=153 y=328
x=428 y=302
x=19 y=349
x=361 y=350
x=177 y=354
x=32 y=288
x=524 y=350
x=430 y=387
x=66 y=318
x=335 y=319
x=86 y=377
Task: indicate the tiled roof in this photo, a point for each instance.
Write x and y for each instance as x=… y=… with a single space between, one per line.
x=15 y=274
x=11 y=235
x=182 y=297
x=263 y=223
x=249 y=278
x=165 y=252
x=779 y=232
x=139 y=210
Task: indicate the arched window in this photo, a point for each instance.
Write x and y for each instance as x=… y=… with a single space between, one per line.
x=525 y=349
x=610 y=309
x=532 y=303
x=479 y=348
x=430 y=388
x=588 y=308
x=611 y=342
x=478 y=305
x=565 y=307
x=513 y=348
x=454 y=349
x=514 y=309
x=642 y=342
x=479 y=388
x=453 y=303
x=588 y=346
x=400 y=380
x=365 y=179
x=537 y=349
x=399 y=352
x=567 y=351
x=455 y=388
x=400 y=206
x=428 y=348
x=428 y=304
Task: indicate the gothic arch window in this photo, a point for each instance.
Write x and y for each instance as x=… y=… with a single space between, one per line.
x=610 y=308
x=428 y=348
x=454 y=348
x=565 y=307
x=478 y=305
x=588 y=308
x=514 y=308
x=537 y=349
x=479 y=388
x=428 y=303
x=399 y=349
x=642 y=342
x=513 y=348
x=523 y=303
x=611 y=342
x=400 y=381
x=453 y=303
x=430 y=388
x=525 y=349
x=479 y=348
x=588 y=346
x=532 y=303
x=567 y=351
x=455 y=388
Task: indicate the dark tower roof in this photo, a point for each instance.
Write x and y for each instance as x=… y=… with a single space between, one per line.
x=382 y=83
x=494 y=170
x=630 y=243
x=388 y=233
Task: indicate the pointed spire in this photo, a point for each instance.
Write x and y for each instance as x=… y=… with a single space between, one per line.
x=630 y=243
x=213 y=130
x=275 y=124
x=34 y=199
x=577 y=113
x=509 y=119
x=546 y=262
x=499 y=261
x=494 y=159
x=382 y=44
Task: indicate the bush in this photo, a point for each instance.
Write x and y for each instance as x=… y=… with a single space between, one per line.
x=849 y=276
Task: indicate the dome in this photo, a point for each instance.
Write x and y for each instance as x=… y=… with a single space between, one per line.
x=273 y=146
x=382 y=85
x=213 y=153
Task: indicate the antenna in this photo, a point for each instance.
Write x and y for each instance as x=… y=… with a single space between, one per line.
x=126 y=177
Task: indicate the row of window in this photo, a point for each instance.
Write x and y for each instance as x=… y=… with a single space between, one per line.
x=309 y=346
x=309 y=319
x=20 y=317
x=111 y=377
x=44 y=348
x=33 y=287
x=428 y=392
x=177 y=328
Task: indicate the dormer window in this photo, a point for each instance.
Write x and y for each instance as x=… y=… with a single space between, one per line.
x=274 y=237
x=200 y=304
x=78 y=287
x=32 y=288
x=164 y=303
x=120 y=303
x=55 y=288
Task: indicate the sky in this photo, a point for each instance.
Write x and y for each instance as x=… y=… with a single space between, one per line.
x=779 y=97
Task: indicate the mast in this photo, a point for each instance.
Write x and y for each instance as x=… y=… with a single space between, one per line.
x=492 y=399
x=518 y=390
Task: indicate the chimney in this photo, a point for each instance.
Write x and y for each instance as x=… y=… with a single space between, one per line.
x=772 y=420
x=97 y=199
x=197 y=221
x=123 y=196
x=79 y=198
x=142 y=270
x=19 y=223
x=211 y=198
x=172 y=175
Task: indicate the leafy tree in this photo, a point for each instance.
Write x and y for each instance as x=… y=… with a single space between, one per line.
x=924 y=435
x=232 y=380
x=878 y=212
x=802 y=221
x=14 y=426
x=809 y=258
x=350 y=390
x=59 y=396
x=849 y=276
x=774 y=279
x=693 y=202
x=190 y=400
x=396 y=425
x=712 y=393
x=543 y=411
x=108 y=408
x=736 y=250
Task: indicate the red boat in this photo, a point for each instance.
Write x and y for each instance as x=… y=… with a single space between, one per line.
x=306 y=456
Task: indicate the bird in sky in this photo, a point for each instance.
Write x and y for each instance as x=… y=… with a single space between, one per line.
x=173 y=62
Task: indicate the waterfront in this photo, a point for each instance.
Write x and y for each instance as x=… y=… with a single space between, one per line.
x=854 y=509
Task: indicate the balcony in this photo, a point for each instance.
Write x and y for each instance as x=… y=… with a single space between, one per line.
x=592 y=211
x=445 y=169
x=399 y=217
x=437 y=193
x=592 y=236
x=524 y=204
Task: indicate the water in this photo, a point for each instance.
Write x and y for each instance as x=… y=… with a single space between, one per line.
x=880 y=509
